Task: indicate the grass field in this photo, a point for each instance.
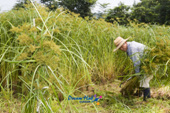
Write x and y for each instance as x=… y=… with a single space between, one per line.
x=47 y=56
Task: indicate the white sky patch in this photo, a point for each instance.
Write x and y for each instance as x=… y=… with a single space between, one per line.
x=112 y=4
x=6 y=5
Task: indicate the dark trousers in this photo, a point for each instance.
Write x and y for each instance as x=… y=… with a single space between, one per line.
x=146 y=93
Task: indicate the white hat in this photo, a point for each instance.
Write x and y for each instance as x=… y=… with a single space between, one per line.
x=119 y=41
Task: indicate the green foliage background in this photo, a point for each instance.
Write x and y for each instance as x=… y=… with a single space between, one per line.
x=146 y=11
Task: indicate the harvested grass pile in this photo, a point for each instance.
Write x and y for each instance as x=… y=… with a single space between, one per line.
x=130 y=86
x=161 y=93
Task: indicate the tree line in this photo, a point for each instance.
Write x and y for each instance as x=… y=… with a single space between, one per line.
x=146 y=11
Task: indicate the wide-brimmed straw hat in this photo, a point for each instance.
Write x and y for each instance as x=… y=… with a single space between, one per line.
x=119 y=41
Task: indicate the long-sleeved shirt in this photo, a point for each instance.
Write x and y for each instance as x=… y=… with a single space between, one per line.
x=135 y=51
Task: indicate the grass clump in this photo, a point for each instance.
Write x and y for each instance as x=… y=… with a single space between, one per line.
x=156 y=61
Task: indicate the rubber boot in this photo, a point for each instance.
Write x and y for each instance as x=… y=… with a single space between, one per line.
x=146 y=93
x=149 y=93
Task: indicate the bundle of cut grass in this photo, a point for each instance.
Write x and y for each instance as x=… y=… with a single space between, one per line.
x=130 y=86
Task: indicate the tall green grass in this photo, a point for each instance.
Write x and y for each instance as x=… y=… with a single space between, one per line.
x=47 y=56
